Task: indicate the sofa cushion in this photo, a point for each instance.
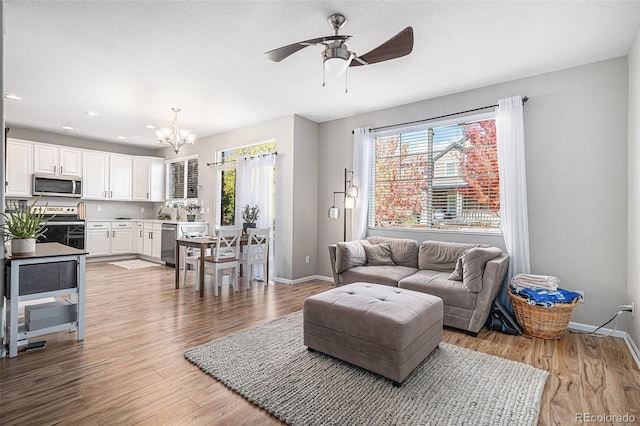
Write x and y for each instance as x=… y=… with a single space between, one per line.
x=473 y=264
x=404 y=252
x=378 y=254
x=350 y=254
x=440 y=255
x=457 y=273
x=452 y=293
x=386 y=275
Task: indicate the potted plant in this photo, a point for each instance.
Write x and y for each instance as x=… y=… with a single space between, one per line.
x=249 y=217
x=23 y=226
x=191 y=206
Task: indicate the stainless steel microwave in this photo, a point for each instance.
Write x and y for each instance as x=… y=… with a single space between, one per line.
x=57 y=186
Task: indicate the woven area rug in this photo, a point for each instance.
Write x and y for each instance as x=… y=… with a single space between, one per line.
x=270 y=366
x=135 y=264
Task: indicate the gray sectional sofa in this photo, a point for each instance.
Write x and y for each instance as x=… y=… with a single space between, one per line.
x=467 y=277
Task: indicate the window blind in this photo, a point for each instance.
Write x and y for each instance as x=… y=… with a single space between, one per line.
x=436 y=178
x=182 y=179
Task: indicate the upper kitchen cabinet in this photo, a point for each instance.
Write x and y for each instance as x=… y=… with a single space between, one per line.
x=106 y=177
x=120 y=177
x=57 y=160
x=148 y=179
x=19 y=168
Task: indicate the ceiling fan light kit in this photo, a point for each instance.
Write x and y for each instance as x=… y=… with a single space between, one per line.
x=336 y=57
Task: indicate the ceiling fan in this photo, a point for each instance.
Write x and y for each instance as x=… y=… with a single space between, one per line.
x=336 y=57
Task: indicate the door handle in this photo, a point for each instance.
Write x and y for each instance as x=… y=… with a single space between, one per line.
x=107 y=234
x=54 y=170
x=60 y=169
x=113 y=234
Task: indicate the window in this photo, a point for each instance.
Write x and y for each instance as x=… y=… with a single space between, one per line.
x=228 y=178
x=182 y=179
x=436 y=178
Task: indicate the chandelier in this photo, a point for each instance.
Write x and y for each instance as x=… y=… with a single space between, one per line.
x=174 y=137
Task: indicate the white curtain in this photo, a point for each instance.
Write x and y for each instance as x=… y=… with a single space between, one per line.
x=361 y=174
x=514 y=219
x=255 y=185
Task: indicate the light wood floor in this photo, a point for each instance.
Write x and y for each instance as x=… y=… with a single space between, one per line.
x=130 y=368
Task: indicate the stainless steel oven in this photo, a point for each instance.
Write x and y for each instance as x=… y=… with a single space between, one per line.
x=64 y=227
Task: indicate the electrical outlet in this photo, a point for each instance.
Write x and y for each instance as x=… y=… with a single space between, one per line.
x=207 y=210
x=581 y=293
x=99 y=208
x=628 y=308
x=306 y=259
x=141 y=209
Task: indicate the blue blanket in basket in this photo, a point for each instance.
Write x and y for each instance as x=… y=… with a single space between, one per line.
x=545 y=297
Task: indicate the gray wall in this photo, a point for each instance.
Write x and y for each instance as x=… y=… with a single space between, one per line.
x=291 y=145
x=633 y=270
x=305 y=197
x=576 y=145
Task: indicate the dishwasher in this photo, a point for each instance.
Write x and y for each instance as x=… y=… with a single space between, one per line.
x=168 y=243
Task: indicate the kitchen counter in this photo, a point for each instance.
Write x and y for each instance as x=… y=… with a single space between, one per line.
x=145 y=220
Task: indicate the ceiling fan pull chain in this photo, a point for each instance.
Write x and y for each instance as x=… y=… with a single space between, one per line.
x=346 y=81
x=323 y=72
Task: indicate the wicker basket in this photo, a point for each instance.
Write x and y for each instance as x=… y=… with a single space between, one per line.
x=540 y=321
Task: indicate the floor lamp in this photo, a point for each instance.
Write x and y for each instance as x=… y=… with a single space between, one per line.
x=350 y=194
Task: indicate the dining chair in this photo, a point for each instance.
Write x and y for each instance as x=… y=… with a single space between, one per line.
x=256 y=253
x=225 y=257
x=191 y=254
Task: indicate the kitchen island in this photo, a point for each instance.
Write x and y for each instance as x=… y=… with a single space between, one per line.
x=53 y=270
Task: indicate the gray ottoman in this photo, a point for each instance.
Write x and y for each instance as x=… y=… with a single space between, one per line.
x=387 y=330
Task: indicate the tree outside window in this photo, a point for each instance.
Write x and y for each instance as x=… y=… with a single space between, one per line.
x=437 y=178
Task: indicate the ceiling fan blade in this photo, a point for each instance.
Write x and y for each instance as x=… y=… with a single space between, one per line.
x=397 y=46
x=280 y=53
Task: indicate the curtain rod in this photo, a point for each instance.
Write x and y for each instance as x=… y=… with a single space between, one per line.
x=251 y=158
x=524 y=101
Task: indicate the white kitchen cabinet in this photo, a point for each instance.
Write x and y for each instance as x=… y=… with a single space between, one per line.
x=139 y=238
x=152 y=239
x=98 y=238
x=95 y=175
x=106 y=176
x=57 y=160
x=148 y=179
x=121 y=237
x=120 y=177
x=19 y=167
x=109 y=238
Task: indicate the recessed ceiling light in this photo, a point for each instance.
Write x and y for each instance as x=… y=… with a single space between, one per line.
x=12 y=96
x=121 y=138
x=150 y=126
x=67 y=127
x=92 y=114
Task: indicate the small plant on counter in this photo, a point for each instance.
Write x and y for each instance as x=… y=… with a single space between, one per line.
x=191 y=206
x=162 y=215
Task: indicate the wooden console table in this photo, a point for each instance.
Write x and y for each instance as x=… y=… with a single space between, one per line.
x=15 y=291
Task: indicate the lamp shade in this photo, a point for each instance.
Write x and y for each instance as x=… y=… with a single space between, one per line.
x=353 y=191
x=349 y=202
x=334 y=213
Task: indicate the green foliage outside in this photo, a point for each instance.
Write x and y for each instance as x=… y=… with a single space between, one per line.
x=228 y=196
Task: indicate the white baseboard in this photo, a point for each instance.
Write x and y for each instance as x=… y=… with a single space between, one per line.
x=302 y=280
x=633 y=348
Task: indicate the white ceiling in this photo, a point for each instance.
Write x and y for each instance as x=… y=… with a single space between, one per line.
x=131 y=61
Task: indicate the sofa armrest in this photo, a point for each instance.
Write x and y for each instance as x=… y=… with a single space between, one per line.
x=492 y=280
x=332 y=261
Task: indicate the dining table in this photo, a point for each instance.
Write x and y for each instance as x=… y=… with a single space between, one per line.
x=202 y=243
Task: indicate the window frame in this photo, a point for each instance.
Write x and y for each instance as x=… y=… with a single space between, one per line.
x=185 y=160
x=414 y=128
